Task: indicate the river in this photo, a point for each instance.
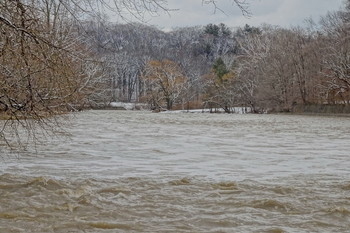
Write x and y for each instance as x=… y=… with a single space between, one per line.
x=129 y=171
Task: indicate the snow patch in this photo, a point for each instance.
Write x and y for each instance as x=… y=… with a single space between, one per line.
x=237 y=110
x=126 y=106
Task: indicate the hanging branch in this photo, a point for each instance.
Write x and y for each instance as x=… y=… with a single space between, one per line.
x=242 y=5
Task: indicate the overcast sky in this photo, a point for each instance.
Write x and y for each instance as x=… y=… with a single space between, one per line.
x=276 y=12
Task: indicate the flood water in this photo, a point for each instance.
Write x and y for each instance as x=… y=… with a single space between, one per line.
x=122 y=171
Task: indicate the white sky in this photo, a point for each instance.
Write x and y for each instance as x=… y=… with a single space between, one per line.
x=276 y=12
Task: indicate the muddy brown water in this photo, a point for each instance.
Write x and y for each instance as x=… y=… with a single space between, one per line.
x=122 y=171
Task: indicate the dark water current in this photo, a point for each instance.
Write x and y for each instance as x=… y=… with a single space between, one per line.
x=145 y=172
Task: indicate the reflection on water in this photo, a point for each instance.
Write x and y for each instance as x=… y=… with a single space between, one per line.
x=144 y=172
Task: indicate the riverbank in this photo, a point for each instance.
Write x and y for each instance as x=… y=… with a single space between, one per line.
x=310 y=109
x=322 y=109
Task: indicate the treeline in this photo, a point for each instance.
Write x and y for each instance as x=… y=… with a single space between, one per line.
x=129 y=53
x=54 y=59
x=266 y=68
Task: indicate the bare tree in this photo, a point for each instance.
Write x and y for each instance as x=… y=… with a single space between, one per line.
x=166 y=83
x=41 y=68
x=279 y=68
x=336 y=58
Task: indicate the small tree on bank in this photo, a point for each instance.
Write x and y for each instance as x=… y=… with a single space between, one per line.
x=220 y=92
x=165 y=83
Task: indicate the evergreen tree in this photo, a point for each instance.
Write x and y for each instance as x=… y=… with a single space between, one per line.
x=220 y=68
x=212 y=29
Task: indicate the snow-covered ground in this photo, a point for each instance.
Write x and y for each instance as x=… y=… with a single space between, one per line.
x=128 y=106
x=133 y=106
x=237 y=110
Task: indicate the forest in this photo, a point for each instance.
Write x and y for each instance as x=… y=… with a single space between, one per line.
x=55 y=57
x=267 y=68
